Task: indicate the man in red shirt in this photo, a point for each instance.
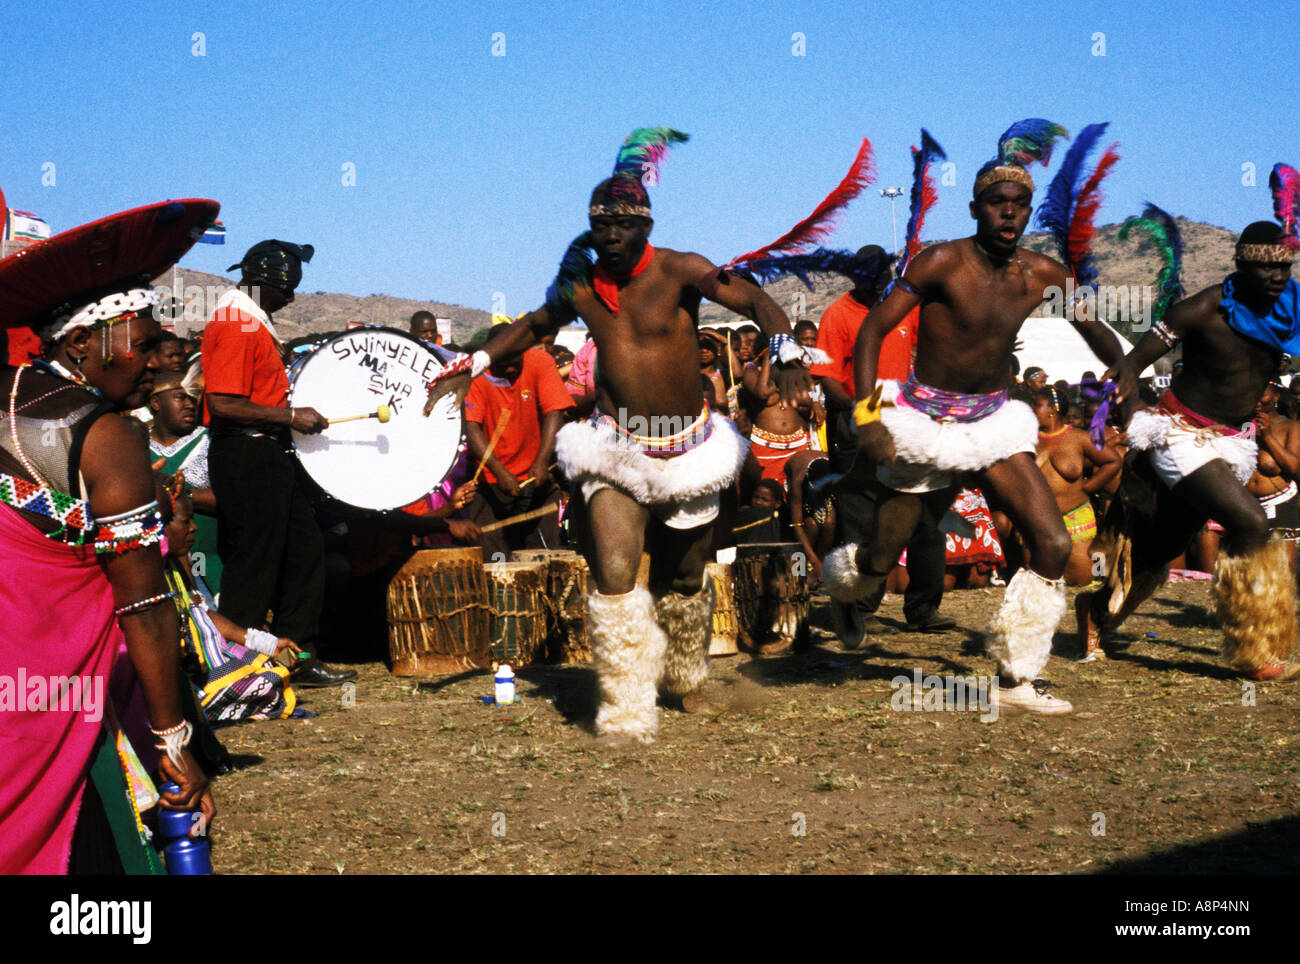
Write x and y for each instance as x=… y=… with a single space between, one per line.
x=518 y=472
x=855 y=509
x=270 y=545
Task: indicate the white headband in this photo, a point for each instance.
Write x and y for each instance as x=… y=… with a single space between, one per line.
x=105 y=309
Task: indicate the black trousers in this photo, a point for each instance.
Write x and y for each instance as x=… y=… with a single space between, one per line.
x=270 y=544
x=491 y=505
x=855 y=515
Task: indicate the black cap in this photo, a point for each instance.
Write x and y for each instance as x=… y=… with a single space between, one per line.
x=275 y=263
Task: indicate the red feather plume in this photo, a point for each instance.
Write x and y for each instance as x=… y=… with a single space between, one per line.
x=928 y=198
x=1082 y=229
x=815 y=227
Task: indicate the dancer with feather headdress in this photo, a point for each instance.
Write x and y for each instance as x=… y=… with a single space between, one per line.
x=870 y=270
x=648 y=466
x=1196 y=450
x=952 y=415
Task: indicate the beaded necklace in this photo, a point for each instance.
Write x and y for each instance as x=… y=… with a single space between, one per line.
x=39 y=498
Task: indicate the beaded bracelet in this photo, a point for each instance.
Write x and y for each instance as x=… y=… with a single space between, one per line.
x=170 y=730
x=174 y=739
x=140 y=604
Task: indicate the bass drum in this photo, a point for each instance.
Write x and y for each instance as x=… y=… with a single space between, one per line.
x=366 y=463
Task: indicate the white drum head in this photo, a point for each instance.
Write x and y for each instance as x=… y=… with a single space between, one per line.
x=366 y=463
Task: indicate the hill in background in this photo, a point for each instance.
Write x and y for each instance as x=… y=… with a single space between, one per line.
x=1207 y=258
x=322 y=311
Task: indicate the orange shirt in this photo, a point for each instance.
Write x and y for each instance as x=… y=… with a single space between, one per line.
x=537 y=392
x=241 y=358
x=838 y=330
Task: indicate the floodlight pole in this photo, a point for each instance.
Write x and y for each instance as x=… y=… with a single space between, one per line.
x=893 y=193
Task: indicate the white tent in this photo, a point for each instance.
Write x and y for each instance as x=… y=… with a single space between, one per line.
x=571 y=337
x=1053 y=345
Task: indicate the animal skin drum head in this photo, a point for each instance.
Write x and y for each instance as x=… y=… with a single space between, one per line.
x=366 y=463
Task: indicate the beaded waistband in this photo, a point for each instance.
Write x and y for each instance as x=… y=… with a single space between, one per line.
x=774 y=441
x=949 y=406
x=660 y=446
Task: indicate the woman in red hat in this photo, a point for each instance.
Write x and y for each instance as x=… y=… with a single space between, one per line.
x=79 y=535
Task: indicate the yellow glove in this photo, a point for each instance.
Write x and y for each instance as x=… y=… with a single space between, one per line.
x=868 y=410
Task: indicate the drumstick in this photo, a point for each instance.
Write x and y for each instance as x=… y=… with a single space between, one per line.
x=530 y=480
x=383 y=413
x=492 y=443
x=762 y=521
x=522 y=517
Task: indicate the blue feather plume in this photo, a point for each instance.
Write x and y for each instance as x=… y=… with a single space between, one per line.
x=923 y=196
x=1057 y=208
x=821 y=261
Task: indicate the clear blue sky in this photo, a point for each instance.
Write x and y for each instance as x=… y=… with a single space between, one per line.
x=473 y=170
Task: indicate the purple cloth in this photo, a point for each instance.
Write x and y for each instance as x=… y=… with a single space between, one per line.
x=939 y=404
x=1103 y=392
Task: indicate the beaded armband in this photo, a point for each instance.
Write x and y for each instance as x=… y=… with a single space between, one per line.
x=1164 y=333
x=72 y=514
x=136 y=529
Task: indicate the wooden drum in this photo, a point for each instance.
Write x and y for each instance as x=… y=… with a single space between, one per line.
x=772 y=596
x=566 y=603
x=516 y=611
x=438 y=613
x=725 y=630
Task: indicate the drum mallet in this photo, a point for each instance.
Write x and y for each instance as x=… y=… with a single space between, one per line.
x=492 y=443
x=383 y=413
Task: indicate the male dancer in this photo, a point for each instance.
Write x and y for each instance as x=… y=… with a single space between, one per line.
x=952 y=415
x=1200 y=452
x=648 y=467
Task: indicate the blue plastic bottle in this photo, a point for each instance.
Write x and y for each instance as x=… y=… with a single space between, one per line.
x=184 y=856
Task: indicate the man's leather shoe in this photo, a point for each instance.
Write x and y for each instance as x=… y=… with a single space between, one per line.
x=932 y=622
x=313 y=674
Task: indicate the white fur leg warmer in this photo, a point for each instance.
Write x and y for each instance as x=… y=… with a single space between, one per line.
x=629 y=651
x=1020 y=634
x=842 y=578
x=687 y=621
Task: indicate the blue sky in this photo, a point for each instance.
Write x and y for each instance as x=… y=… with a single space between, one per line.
x=472 y=171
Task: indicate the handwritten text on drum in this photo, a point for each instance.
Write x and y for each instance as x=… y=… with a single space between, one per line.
x=377 y=354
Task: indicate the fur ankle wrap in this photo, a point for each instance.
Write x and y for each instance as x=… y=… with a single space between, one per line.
x=1020 y=633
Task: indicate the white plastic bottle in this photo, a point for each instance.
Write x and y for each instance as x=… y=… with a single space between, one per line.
x=505 y=685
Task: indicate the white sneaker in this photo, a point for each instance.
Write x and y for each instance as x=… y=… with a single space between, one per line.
x=1025 y=697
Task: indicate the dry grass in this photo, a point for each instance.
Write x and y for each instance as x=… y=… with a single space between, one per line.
x=806 y=769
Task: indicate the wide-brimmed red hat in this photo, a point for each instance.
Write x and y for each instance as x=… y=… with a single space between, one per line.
x=85 y=263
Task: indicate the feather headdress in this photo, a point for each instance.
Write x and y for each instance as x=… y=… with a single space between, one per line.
x=644 y=150
x=1071 y=204
x=1163 y=231
x=1019 y=146
x=1029 y=140
x=924 y=195
x=637 y=164
x=1284 y=181
x=816 y=226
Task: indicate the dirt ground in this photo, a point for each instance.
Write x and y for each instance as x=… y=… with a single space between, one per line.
x=805 y=768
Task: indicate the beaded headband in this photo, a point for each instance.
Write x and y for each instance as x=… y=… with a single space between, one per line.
x=105 y=312
x=1006 y=172
x=1265 y=253
x=618 y=210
